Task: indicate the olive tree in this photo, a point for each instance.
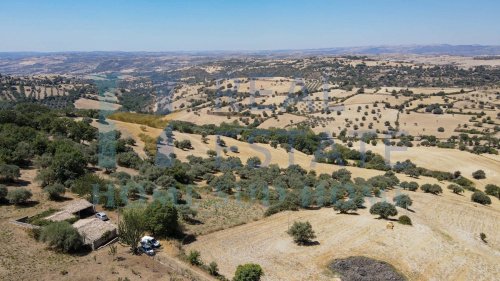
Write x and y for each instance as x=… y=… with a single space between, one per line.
x=19 y=196
x=301 y=232
x=248 y=272
x=481 y=198
x=383 y=209
x=132 y=226
x=403 y=201
x=61 y=236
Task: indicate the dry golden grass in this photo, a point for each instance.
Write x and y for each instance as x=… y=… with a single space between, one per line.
x=83 y=103
x=442 y=244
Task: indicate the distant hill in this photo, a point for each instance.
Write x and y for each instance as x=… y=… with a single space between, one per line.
x=444 y=49
x=82 y=63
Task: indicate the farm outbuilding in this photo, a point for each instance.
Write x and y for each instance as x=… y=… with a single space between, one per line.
x=77 y=208
x=95 y=232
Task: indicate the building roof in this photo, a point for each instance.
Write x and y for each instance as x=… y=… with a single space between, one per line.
x=70 y=210
x=77 y=205
x=93 y=229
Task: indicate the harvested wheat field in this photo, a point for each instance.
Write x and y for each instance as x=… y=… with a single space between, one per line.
x=442 y=244
x=84 y=103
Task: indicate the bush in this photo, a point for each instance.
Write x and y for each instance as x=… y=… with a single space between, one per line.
x=457 y=189
x=344 y=206
x=481 y=198
x=463 y=181
x=301 y=232
x=493 y=190
x=61 y=236
x=254 y=162
x=431 y=188
x=342 y=175
x=3 y=191
x=55 y=191
x=234 y=149
x=483 y=237
x=194 y=258
x=404 y=220
x=9 y=172
x=248 y=272
x=479 y=174
x=162 y=218
x=411 y=186
x=383 y=209
x=19 y=196
x=403 y=201
x=213 y=269
x=183 y=144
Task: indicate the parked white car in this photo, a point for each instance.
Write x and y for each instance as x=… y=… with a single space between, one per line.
x=147 y=249
x=151 y=241
x=102 y=216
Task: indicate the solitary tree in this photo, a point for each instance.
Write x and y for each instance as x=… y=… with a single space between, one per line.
x=383 y=209
x=301 y=232
x=248 y=272
x=479 y=174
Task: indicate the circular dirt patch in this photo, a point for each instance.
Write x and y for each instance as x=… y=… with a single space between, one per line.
x=365 y=269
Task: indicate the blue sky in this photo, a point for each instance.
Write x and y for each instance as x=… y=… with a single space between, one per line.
x=126 y=25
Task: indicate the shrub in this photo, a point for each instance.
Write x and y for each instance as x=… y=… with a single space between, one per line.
x=483 y=237
x=479 y=174
x=403 y=201
x=213 y=269
x=301 y=232
x=481 y=198
x=404 y=220
x=457 y=189
x=211 y=153
x=344 y=206
x=248 y=272
x=61 y=236
x=411 y=186
x=431 y=188
x=383 y=209
x=463 y=181
x=183 y=144
x=234 y=149
x=3 y=191
x=55 y=191
x=9 y=172
x=19 y=196
x=342 y=175
x=440 y=129
x=254 y=162
x=194 y=258
x=493 y=190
